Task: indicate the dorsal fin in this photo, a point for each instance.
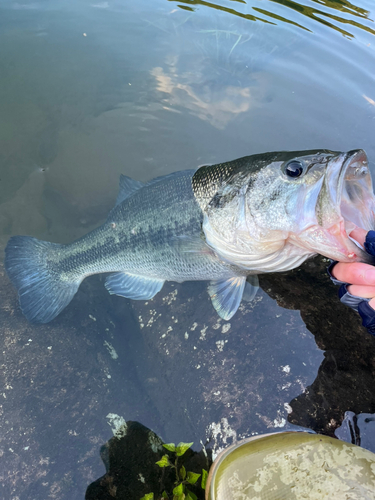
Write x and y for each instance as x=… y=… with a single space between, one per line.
x=127 y=187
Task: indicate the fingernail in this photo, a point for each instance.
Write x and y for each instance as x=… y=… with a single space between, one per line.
x=370 y=276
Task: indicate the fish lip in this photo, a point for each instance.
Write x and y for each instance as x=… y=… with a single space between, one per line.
x=345 y=202
x=356 y=158
x=354 y=167
x=337 y=171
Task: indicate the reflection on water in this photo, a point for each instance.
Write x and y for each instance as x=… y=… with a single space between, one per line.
x=90 y=91
x=325 y=17
x=217 y=106
x=358 y=429
x=317 y=14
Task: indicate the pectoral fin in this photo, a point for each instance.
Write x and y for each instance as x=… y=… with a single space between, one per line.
x=192 y=244
x=132 y=286
x=226 y=295
x=251 y=288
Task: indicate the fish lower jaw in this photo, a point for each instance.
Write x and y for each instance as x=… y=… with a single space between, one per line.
x=358 y=236
x=350 y=240
x=333 y=242
x=343 y=242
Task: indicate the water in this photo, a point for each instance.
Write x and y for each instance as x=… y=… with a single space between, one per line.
x=92 y=90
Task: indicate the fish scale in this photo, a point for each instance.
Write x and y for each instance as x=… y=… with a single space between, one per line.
x=141 y=236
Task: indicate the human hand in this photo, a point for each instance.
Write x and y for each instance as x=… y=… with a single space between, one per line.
x=360 y=276
x=357 y=281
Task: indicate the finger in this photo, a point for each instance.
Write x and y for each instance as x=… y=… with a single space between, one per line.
x=372 y=303
x=359 y=235
x=367 y=292
x=355 y=273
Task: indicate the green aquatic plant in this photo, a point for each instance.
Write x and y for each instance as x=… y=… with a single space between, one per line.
x=184 y=478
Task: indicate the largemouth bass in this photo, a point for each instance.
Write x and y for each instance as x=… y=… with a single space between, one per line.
x=222 y=223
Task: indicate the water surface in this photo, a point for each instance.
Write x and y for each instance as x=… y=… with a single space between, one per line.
x=90 y=90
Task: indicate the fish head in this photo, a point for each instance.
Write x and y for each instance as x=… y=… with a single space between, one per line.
x=345 y=202
x=270 y=212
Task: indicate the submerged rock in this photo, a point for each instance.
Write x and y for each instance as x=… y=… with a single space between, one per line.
x=173 y=365
x=59 y=383
x=230 y=380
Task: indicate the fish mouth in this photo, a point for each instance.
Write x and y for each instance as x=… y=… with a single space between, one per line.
x=349 y=185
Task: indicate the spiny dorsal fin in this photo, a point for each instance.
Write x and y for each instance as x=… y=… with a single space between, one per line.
x=128 y=186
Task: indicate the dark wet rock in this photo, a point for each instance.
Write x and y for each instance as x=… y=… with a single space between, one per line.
x=228 y=380
x=131 y=471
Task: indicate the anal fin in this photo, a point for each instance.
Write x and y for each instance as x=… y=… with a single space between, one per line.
x=132 y=286
x=226 y=295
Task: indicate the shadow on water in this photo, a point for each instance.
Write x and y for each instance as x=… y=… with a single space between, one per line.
x=324 y=17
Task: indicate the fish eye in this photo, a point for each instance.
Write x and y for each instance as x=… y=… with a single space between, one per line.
x=294 y=169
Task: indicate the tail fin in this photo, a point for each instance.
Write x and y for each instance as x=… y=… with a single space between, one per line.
x=42 y=292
